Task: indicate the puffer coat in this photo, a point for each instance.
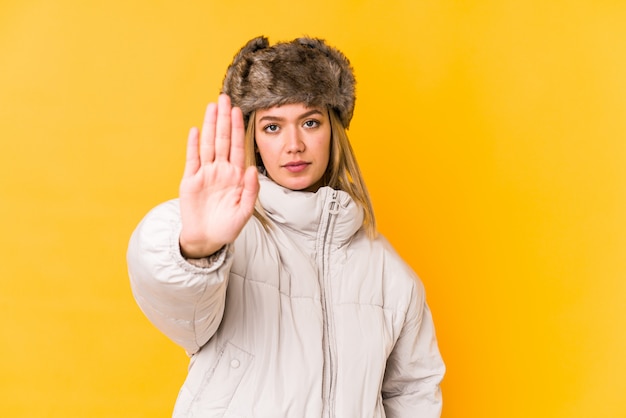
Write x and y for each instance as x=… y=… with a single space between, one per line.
x=306 y=318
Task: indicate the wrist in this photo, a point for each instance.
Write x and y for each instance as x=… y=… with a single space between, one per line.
x=198 y=250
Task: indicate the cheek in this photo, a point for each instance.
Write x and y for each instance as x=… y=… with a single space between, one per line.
x=266 y=152
x=326 y=147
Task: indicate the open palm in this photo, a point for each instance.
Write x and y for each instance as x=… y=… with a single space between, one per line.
x=217 y=192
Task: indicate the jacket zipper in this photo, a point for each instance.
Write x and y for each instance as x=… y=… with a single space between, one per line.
x=325 y=285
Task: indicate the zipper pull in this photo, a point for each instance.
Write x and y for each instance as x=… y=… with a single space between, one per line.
x=333 y=205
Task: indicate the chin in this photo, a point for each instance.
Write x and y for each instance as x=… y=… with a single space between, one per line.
x=298 y=185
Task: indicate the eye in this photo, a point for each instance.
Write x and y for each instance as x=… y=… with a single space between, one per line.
x=271 y=128
x=311 y=123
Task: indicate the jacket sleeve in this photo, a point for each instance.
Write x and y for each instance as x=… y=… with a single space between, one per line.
x=415 y=367
x=183 y=300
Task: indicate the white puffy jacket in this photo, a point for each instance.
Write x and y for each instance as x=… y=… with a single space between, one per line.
x=307 y=319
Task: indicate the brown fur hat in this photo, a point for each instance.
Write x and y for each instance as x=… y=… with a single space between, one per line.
x=305 y=70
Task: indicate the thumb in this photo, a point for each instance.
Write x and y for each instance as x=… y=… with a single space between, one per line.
x=250 y=189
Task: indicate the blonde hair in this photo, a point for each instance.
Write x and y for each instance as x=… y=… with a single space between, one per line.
x=342 y=173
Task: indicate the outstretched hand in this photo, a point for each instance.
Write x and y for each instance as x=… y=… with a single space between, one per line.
x=217 y=192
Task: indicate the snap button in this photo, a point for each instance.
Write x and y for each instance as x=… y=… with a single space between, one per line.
x=235 y=363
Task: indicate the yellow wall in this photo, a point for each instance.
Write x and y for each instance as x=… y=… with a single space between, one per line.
x=492 y=135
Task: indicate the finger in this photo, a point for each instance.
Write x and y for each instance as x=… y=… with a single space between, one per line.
x=192 y=161
x=250 y=190
x=222 y=129
x=237 y=140
x=207 y=138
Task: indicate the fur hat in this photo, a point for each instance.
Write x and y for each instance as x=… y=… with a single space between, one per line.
x=305 y=70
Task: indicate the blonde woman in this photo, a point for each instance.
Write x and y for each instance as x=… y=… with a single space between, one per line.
x=268 y=269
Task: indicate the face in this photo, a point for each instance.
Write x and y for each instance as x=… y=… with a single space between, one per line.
x=294 y=143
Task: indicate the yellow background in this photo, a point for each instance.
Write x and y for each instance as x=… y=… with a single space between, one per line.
x=492 y=135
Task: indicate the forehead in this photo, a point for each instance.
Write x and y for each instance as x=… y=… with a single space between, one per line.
x=291 y=110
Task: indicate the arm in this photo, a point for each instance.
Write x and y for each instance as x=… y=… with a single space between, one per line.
x=415 y=367
x=182 y=300
x=217 y=195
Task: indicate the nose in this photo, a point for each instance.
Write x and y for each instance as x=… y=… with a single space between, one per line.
x=294 y=143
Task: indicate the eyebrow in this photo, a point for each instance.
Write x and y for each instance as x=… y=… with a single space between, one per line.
x=271 y=118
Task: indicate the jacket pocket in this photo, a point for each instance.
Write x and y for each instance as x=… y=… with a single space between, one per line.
x=220 y=383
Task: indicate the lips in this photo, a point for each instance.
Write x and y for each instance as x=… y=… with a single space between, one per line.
x=296 y=166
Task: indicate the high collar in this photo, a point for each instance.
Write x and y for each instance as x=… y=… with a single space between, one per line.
x=303 y=211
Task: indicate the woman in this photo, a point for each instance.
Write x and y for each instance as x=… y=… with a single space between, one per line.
x=301 y=310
